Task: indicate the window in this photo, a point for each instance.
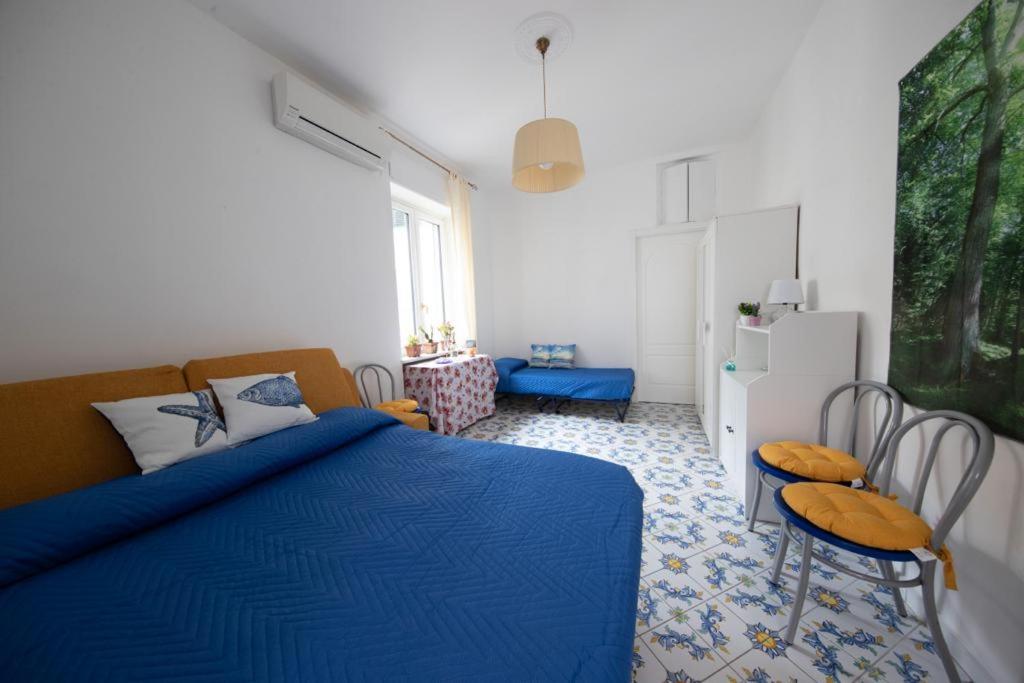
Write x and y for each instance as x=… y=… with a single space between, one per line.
x=424 y=265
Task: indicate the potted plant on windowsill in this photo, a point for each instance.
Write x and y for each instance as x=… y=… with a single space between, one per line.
x=750 y=314
x=412 y=346
x=447 y=331
x=429 y=346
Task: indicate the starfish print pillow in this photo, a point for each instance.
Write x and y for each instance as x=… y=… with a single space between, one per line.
x=163 y=430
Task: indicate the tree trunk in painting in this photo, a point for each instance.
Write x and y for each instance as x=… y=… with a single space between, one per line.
x=1015 y=346
x=962 y=325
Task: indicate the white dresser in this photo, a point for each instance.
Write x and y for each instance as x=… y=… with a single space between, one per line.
x=783 y=373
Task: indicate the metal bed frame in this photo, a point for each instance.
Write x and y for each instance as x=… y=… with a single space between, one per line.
x=542 y=401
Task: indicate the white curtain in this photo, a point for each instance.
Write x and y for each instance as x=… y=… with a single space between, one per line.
x=462 y=228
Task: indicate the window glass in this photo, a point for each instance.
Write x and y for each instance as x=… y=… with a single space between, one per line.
x=404 y=274
x=431 y=280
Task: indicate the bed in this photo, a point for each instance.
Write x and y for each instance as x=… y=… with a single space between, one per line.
x=558 y=386
x=350 y=548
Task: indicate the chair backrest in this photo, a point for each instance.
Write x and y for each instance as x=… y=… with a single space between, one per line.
x=982 y=444
x=886 y=426
x=379 y=374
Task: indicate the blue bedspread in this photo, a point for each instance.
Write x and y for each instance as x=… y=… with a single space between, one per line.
x=350 y=548
x=595 y=384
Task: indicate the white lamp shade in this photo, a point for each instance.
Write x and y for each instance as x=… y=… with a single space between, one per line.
x=547 y=156
x=786 y=292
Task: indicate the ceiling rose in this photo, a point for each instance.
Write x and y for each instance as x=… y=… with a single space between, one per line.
x=554 y=27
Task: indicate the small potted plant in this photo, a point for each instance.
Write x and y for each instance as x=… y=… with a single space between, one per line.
x=447 y=331
x=429 y=346
x=412 y=346
x=750 y=314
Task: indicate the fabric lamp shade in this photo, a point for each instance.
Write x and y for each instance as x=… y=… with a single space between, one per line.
x=786 y=292
x=547 y=156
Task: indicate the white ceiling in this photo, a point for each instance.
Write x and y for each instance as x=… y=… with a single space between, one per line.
x=642 y=78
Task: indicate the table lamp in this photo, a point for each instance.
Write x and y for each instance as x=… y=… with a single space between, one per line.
x=784 y=293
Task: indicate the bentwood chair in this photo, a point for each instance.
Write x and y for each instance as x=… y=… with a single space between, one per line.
x=795 y=461
x=381 y=392
x=837 y=515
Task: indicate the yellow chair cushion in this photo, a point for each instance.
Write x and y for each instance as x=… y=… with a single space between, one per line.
x=857 y=515
x=402 y=405
x=812 y=461
x=414 y=420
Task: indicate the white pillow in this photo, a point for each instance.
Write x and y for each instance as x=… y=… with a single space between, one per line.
x=163 y=430
x=260 y=404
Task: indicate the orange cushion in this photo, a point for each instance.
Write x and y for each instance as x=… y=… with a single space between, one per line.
x=812 y=461
x=414 y=420
x=324 y=383
x=54 y=441
x=402 y=405
x=857 y=515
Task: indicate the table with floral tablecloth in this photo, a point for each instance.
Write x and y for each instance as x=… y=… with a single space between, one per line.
x=456 y=394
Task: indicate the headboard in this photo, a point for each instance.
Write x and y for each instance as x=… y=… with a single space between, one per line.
x=325 y=384
x=52 y=440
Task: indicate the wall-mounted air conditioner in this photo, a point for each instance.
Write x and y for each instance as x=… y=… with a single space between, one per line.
x=316 y=117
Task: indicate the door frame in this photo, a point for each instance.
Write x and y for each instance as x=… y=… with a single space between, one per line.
x=634 y=255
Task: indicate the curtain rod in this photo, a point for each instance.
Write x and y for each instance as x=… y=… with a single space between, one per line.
x=425 y=156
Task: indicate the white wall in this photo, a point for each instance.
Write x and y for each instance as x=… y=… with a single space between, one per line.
x=151 y=213
x=828 y=141
x=563 y=263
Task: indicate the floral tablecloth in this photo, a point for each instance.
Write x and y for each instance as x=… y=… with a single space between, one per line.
x=456 y=394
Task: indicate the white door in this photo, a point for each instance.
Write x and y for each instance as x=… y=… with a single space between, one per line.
x=700 y=381
x=667 y=316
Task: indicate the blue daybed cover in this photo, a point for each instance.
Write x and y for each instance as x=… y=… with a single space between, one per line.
x=594 y=384
x=350 y=548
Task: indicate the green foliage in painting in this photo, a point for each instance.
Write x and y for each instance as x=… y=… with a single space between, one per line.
x=958 y=289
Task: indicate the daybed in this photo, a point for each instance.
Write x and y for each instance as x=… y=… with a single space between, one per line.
x=558 y=386
x=350 y=548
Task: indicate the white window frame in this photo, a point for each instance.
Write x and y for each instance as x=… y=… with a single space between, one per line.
x=417 y=213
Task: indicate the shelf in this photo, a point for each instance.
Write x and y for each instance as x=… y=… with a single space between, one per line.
x=762 y=329
x=745 y=377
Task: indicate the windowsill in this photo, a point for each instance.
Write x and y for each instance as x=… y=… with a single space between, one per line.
x=406 y=360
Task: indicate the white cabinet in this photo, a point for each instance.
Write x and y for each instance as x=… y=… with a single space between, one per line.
x=783 y=374
x=732 y=427
x=737 y=260
x=686 y=191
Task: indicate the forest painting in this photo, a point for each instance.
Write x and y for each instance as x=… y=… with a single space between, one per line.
x=958 y=289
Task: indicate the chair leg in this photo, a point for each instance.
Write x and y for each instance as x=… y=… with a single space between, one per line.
x=801 y=588
x=780 y=550
x=931 y=614
x=752 y=513
x=890 y=574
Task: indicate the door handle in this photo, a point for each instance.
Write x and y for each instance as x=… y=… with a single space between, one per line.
x=728 y=429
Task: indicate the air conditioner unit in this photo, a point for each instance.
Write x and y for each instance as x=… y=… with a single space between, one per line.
x=318 y=118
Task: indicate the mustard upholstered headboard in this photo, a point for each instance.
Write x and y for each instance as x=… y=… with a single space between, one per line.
x=324 y=383
x=53 y=441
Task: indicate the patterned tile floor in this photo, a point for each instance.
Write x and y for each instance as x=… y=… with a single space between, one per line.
x=706 y=609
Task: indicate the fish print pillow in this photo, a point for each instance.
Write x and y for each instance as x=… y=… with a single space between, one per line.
x=163 y=430
x=260 y=404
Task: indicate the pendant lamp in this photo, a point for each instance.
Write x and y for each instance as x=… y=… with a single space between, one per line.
x=547 y=155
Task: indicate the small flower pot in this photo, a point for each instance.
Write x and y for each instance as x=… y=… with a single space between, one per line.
x=428 y=348
x=412 y=351
x=750 y=320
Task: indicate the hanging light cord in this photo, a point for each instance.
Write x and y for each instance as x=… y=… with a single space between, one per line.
x=542 y=46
